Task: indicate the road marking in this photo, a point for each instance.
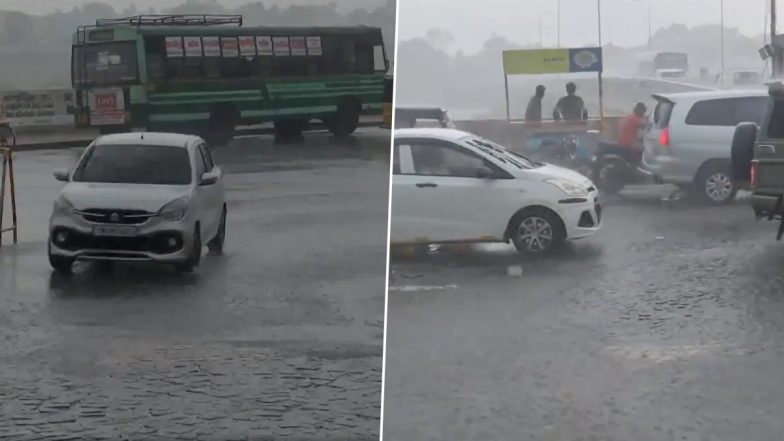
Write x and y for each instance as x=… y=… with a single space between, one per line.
x=413 y=288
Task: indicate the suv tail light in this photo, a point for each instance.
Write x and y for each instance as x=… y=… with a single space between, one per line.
x=754 y=173
x=664 y=138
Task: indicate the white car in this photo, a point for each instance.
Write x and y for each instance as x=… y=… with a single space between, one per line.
x=688 y=142
x=453 y=186
x=139 y=197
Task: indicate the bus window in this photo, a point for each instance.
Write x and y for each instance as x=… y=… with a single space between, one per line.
x=105 y=63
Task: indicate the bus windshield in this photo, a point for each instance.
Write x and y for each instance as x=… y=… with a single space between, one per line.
x=104 y=64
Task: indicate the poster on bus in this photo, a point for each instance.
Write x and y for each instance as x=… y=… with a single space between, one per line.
x=247 y=46
x=107 y=106
x=174 y=47
x=281 y=46
x=192 y=46
x=264 y=45
x=44 y=107
x=298 y=47
x=212 y=47
x=314 y=46
x=229 y=47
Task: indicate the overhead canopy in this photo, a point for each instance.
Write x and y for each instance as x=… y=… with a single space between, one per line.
x=552 y=61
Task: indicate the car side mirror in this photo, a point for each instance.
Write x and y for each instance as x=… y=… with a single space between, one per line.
x=484 y=173
x=208 y=178
x=62 y=175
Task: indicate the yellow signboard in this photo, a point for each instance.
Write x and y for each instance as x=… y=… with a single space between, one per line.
x=538 y=61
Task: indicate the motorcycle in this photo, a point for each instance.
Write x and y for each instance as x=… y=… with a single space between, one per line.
x=564 y=152
x=614 y=168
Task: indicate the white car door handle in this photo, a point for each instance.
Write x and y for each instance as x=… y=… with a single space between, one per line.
x=427 y=185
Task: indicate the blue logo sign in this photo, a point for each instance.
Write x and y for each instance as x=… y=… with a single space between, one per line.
x=588 y=59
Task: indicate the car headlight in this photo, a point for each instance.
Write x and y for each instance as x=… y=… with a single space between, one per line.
x=63 y=206
x=572 y=189
x=175 y=210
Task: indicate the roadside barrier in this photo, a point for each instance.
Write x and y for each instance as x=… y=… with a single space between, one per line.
x=7 y=170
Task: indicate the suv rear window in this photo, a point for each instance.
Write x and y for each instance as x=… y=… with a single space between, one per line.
x=727 y=112
x=662 y=113
x=135 y=164
x=776 y=121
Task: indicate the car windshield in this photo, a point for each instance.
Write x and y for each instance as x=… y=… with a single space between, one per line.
x=135 y=164
x=501 y=153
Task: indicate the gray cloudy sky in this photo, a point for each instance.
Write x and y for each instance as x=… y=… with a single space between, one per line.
x=624 y=22
x=43 y=6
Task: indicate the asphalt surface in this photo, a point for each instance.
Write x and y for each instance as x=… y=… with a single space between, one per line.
x=667 y=325
x=281 y=337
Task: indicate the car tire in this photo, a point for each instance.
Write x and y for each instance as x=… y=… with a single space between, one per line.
x=536 y=231
x=216 y=244
x=743 y=151
x=195 y=258
x=61 y=264
x=714 y=184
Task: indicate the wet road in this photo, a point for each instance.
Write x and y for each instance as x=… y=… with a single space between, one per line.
x=280 y=337
x=668 y=325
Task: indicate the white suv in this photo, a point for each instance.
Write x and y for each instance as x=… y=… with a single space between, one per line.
x=450 y=185
x=139 y=197
x=688 y=142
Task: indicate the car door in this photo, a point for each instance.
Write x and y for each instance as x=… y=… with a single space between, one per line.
x=437 y=196
x=213 y=194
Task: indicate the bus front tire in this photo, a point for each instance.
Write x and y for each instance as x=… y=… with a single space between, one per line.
x=345 y=121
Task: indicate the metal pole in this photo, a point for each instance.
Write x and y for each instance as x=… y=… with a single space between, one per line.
x=775 y=62
x=2 y=193
x=722 y=36
x=558 y=25
x=650 y=27
x=599 y=9
x=13 y=195
x=540 y=30
x=506 y=89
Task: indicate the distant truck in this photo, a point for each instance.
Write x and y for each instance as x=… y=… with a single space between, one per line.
x=664 y=62
x=758 y=159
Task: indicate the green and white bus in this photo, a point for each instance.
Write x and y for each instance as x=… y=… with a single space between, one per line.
x=208 y=74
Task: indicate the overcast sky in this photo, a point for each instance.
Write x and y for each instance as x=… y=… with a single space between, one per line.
x=624 y=22
x=43 y=6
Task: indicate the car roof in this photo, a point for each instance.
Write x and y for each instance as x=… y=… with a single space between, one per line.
x=710 y=94
x=443 y=134
x=148 y=138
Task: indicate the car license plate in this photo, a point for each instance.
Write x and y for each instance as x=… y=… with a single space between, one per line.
x=114 y=230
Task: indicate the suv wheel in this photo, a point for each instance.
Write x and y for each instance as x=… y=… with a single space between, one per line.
x=715 y=185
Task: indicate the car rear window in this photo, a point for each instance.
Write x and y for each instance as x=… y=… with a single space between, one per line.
x=727 y=112
x=135 y=164
x=776 y=121
x=662 y=113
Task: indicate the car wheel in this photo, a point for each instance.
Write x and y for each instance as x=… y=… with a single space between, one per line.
x=195 y=258
x=715 y=185
x=216 y=244
x=61 y=264
x=537 y=231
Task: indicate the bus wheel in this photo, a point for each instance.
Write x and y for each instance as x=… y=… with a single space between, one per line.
x=221 y=126
x=345 y=121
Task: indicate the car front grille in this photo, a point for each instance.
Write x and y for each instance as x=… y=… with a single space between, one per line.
x=164 y=242
x=121 y=217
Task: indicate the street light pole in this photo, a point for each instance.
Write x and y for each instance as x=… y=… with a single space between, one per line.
x=650 y=27
x=599 y=9
x=722 y=37
x=558 y=20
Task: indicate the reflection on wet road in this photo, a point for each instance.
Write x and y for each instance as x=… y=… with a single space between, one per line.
x=668 y=325
x=281 y=336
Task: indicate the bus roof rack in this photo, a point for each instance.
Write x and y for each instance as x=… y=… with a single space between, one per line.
x=172 y=20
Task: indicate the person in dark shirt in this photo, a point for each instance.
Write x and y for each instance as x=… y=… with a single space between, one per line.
x=571 y=107
x=533 y=113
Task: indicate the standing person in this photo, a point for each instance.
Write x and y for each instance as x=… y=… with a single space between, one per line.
x=571 y=107
x=533 y=113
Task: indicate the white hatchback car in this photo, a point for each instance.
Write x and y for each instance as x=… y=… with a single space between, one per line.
x=453 y=186
x=139 y=197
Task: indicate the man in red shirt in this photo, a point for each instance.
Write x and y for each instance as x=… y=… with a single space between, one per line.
x=629 y=133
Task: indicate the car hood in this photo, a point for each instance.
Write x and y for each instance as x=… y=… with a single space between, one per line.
x=549 y=171
x=151 y=198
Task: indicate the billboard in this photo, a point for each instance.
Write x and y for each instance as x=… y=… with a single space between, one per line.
x=44 y=107
x=552 y=61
